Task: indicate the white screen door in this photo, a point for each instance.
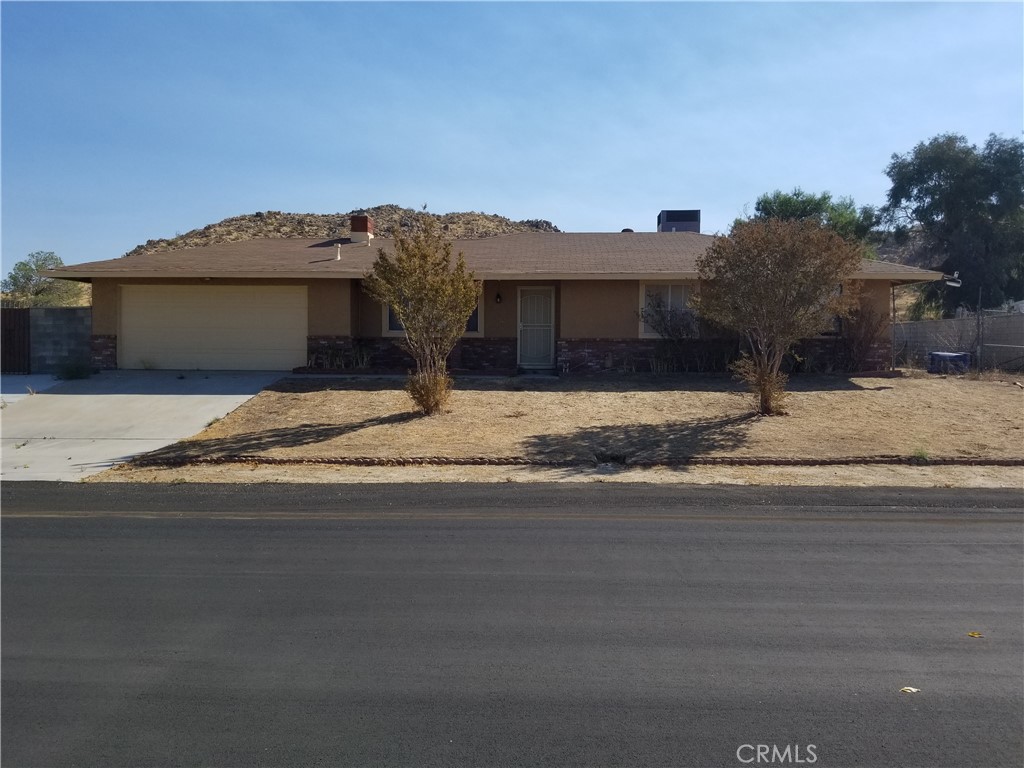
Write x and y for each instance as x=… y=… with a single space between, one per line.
x=536 y=327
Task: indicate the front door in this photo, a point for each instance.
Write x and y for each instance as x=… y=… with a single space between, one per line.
x=536 y=327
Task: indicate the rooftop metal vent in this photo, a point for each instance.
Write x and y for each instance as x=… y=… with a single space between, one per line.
x=679 y=221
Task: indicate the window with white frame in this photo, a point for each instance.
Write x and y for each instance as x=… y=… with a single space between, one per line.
x=671 y=298
x=393 y=326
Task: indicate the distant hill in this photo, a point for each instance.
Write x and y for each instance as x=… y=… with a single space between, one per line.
x=386 y=219
x=912 y=250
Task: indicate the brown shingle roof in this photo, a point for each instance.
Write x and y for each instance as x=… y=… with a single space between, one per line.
x=637 y=255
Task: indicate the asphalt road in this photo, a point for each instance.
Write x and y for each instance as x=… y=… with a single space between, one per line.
x=510 y=625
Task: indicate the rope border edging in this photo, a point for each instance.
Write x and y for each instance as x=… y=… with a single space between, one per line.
x=497 y=461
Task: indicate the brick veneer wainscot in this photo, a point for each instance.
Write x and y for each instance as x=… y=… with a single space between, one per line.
x=830 y=354
x=494 y=355
x=644 y=355
x=325 y=352
x=103 y=352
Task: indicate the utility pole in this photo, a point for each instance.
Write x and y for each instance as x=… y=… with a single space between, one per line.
x=892 y=330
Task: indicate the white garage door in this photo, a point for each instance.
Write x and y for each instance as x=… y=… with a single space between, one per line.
x=215 y=327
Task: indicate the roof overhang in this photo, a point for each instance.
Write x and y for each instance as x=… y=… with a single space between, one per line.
x=902 y=278
x=896 y=278
x=63 y=275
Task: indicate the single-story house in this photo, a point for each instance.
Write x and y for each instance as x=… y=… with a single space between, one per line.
x=550 y=301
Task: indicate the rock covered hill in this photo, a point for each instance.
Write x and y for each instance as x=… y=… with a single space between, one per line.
x=913 y=250
x=386 y=219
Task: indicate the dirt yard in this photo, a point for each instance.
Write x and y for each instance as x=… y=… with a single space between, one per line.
x=611 y=422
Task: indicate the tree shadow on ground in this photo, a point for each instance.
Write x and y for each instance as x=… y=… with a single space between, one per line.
x=638 y=443
x=680 y=382
x=301 y=385
x=258 y=443
x=829 y=383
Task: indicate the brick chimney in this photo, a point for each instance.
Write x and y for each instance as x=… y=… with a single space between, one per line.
x=362 y=228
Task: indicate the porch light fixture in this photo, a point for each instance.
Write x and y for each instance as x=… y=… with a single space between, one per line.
x=497 y=298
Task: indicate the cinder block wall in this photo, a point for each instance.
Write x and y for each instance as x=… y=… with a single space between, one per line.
x=59 y=335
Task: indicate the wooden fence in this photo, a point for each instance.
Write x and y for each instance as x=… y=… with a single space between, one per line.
x=16 y=341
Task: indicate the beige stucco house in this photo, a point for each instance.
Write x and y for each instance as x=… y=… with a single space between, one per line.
x=550 y=301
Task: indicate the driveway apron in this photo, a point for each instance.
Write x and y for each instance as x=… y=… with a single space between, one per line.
x=78 y=428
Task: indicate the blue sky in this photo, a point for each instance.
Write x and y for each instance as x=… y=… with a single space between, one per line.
x=128 y=121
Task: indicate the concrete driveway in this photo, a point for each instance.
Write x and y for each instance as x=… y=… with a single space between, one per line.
x=74 y=429
x=18 y=387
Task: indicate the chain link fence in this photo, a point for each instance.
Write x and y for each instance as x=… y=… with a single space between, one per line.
x=993 y=339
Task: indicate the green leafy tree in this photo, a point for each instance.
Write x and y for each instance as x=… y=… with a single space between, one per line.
x=840 y=215
x=775 y=281
x=967 y=205
x=432 y=298
x=26 y=286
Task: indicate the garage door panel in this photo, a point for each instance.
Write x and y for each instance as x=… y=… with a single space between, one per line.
x=213 y=327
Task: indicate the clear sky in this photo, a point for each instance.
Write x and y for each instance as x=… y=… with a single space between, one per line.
x=123 y=122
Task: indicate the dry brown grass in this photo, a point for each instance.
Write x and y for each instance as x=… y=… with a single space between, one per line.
x=861 y=475
x=623 y=418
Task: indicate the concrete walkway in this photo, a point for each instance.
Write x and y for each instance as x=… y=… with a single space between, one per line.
x=74 y=429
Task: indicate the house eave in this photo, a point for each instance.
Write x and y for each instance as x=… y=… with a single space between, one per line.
x=352 y=274
x=894 y=277
x=901 y=278
x=150 y=274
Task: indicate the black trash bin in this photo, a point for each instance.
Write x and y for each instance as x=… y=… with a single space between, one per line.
x=949 y=362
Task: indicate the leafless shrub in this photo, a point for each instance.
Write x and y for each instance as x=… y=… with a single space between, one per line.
x=862 y=330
